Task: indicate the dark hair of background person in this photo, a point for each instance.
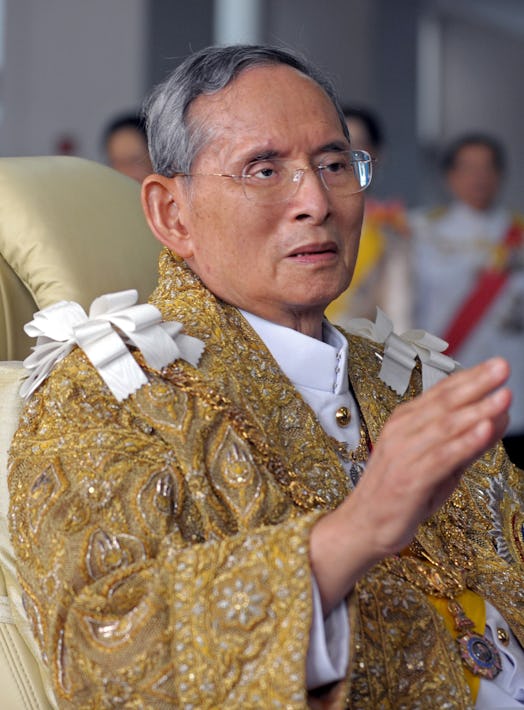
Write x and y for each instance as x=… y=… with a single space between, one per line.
x=125 y=146
x=125 y=120
x=449 y=155
x=369 y=120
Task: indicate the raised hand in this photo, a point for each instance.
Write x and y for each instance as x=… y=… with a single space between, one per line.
x=423 y=450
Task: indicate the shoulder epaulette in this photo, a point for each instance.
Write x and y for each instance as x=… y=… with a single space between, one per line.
x=518 y=218
x=436 y=212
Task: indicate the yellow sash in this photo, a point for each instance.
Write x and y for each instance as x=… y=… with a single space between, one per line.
x=371 y=249
x=475 y=609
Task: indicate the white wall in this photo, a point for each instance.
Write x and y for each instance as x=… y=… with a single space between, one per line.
x=478 y=88
x=336 y=34
x=69 y=66
x=482 y=76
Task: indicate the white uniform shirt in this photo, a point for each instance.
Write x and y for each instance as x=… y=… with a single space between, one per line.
x=449 y=251
x=318 y=370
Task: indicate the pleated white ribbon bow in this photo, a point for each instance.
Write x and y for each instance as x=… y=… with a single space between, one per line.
x=400 y=352
x=114 y=321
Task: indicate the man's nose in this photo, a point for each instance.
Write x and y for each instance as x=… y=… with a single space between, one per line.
x=311 y=195
x=301 y=173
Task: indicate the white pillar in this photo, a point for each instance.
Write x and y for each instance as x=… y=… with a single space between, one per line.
x=238 y=22
x=429 y=80
x=2 y=41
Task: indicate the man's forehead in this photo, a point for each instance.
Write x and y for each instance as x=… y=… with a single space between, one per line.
x=257 y=83
x=265 y=102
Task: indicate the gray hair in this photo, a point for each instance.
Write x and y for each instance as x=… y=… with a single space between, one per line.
x=174 y=137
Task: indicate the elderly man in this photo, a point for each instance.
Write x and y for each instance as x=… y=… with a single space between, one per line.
x=222 y=536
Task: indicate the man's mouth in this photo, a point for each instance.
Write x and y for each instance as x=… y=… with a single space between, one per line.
x=313 y=250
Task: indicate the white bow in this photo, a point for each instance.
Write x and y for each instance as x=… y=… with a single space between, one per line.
x=400 y=352
x=114 y=321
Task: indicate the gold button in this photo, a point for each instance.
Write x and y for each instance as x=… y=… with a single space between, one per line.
x=502 y=636
x=343 y=416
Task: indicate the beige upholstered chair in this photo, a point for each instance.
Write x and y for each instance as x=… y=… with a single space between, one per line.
x=23 y=682
x=70 y=229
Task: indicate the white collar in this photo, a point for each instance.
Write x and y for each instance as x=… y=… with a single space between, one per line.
x=493 y=213
x=306 y=361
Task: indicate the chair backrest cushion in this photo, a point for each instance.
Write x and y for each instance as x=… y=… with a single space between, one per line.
x=70 y=229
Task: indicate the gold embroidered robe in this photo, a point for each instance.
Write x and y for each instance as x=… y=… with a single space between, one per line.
x=163 y=541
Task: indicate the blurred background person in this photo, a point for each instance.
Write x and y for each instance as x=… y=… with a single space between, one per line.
x=125 y=146
x=365 y=130
x=469 y=268
x=382 y=273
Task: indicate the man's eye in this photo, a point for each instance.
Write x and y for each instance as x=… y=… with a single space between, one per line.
x=335 y=166
x=261 y=171
x=265 y=173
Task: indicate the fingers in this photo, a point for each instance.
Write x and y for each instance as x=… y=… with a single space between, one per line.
x=443 y=453
x=438 y=438
x=456 y=404
x=416 y=464
x=474 y=381
x=427 y=444
x=464 y=387
x=446 y=424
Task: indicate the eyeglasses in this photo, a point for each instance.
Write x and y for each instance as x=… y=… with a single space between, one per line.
x=269 y=180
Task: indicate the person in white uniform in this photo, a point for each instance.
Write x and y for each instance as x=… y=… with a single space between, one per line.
x=469 y=269
x=273 y=513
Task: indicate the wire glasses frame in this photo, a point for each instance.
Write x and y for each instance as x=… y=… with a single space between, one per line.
x=273 y=180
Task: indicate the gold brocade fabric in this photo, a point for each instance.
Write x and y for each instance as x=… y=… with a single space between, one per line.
x=163 y=541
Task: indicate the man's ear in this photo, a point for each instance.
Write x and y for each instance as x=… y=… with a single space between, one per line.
x=161 y=201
